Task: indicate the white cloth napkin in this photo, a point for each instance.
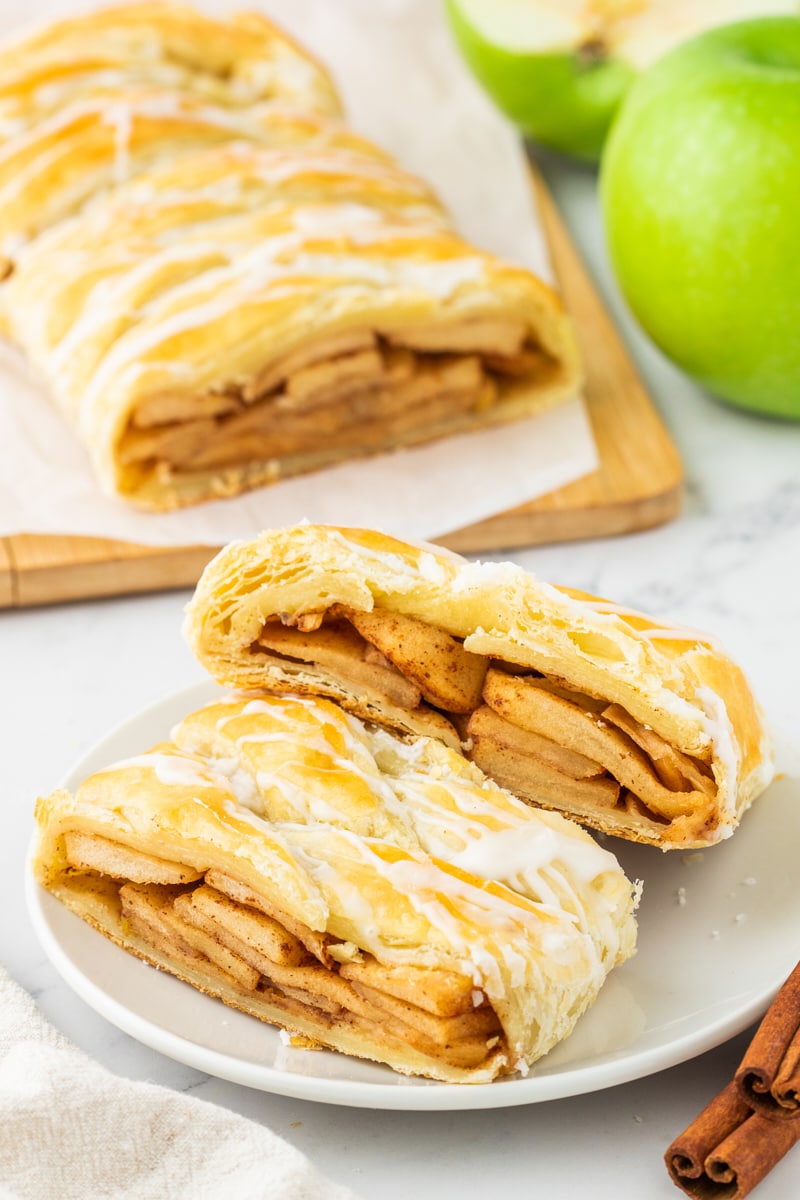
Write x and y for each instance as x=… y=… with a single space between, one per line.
x=405 y=86
x=70 y=1130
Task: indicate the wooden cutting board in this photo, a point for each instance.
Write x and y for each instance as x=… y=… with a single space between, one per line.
x=638 y=483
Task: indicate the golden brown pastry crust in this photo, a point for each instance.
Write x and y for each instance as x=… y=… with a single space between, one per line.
x=656 y=709
x=220 y=284
x=374 y=894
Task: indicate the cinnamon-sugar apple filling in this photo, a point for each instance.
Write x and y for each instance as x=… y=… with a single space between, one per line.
x=357 y=387
x=216 y=927
x=546 y=742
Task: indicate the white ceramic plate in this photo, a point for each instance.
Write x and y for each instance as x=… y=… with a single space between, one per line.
x=719 y=930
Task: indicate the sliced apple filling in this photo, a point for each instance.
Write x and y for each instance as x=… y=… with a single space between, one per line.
x=215 y=932
x=353 y=391
x=549 y=744
x=557 y=746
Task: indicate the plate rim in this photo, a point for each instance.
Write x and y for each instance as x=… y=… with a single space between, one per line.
x=414 y=1094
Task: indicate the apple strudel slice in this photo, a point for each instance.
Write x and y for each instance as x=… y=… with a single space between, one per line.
x=221 y=285
x=631 y=725
x=369 y=893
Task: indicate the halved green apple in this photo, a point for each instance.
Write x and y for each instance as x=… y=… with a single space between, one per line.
x=560 y=68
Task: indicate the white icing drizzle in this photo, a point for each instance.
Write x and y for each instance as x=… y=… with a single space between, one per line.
x=119 y=115
x=16 y=182
x=717 y=724
x=505 y=853
x=305 y=805
x=324 y=713
x=352 y=902
x=241 y=782
x=173 y=770
x=431 y=569
x=251 y=818
x=402 y=567
x=486 y=574
x=101 y=307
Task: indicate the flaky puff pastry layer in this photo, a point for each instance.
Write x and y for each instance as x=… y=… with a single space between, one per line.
x=426 y=918
x=633 y=726
x=220 y=284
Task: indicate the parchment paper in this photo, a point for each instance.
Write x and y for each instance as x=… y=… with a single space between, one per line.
x=405 y=86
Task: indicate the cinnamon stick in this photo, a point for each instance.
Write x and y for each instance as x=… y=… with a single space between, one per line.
x=728 y=1149
x=769 y=1074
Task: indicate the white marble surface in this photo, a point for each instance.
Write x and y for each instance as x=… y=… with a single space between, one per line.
x=731 y=564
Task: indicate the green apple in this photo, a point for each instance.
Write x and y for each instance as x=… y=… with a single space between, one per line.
x=700 y=191
x=560 y=68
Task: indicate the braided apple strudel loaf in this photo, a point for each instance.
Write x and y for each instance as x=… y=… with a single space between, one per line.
x=220 y=284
